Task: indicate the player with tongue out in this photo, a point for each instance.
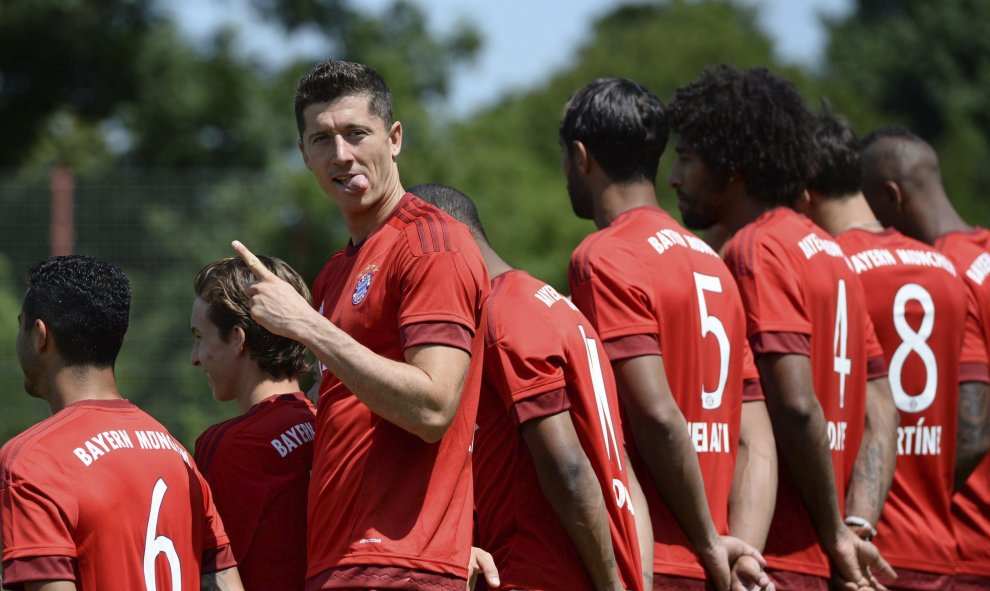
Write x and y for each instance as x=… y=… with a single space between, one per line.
x=396 y=313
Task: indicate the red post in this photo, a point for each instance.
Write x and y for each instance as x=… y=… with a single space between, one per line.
x=62 y=227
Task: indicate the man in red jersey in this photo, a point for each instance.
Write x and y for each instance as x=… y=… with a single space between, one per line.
x=397 y=310
x=549 y=440
x=672 y=326
x=902 y=182
x=99 y=496
x=258 y=463
x=920 y=311
x=744 y=152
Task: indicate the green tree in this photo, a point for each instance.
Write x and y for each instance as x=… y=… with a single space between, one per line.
x=925 y=65
x=508 y=158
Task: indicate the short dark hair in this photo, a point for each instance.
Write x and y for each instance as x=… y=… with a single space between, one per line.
x=622 y=124
x=749 y=122
x=838 y=170
x=894 y=131
x=221 y=285
x=86 y=305
x=455 y=203
x=332 y=79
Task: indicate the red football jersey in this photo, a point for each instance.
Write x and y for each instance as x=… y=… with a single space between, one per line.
x=970 y=251
x=101 y=494
x=541 y=357
x=802 y=297
x=257 y=466
x=380 y=497
x=919 y=308
x=651 y=287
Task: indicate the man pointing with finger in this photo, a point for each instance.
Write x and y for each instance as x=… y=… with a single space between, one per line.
x=390 y=499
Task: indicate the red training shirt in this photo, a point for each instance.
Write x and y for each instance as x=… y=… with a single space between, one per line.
x=802 y=297
x=919 y=309
x=101 y=494
x=970 y=251
x=258 y=466
x=542 y=357
x=650 y=287
x=383 y=502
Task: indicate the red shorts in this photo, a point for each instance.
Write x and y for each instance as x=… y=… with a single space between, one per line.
x=790 y=581
x=964 y=582
x=916 y=580
x=662 y=582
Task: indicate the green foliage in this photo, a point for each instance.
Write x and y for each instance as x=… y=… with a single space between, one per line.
x=508 y=157
x=925 y=65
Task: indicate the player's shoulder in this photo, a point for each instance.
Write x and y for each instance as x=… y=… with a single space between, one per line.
x=428 y=231
x=32 y=444
x=521 y=304
x=765 y=236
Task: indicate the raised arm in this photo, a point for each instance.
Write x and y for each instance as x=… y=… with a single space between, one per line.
x=973 y=437
x=419 y=395
x=570 y=485
x=662 y=438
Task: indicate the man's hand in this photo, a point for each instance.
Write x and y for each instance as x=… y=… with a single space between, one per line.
x=748 y=575
x=852 y=561
x=273 y=303
x=482 y=563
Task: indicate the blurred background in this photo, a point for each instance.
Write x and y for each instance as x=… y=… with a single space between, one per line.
x=153 y=132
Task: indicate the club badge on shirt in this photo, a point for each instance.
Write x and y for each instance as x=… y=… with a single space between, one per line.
x=363 y=284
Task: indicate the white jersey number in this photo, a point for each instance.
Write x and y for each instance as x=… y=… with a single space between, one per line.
x=155 y=544
x=842 y=364
x=622 y=498
x=913 y=342
x=712 y=325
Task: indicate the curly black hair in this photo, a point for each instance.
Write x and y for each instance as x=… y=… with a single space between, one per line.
x=622 y=124
x=86 y=305
x=748 y=122
x=839 y=171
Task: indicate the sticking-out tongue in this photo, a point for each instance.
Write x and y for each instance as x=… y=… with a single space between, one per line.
x=357 y=183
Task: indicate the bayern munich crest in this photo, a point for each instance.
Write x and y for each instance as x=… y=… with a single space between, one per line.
x=363 y=284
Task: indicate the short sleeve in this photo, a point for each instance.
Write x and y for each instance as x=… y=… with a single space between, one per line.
x=446 y=286
x=770 y=289
x=752 y=386
x=216 y=552
x=876 y=367
x=35 y=511
x=973 y=360
x=522 y=363
x=615 y=299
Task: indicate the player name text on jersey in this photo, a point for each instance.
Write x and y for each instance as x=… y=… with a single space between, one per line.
x=293 y=438
x=103 y=443
x=813 y=244
x=666 y=238
x=919 y=439
x=709 y=437
x=882 y=257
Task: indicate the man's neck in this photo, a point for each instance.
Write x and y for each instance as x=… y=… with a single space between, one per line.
x=938 y=219
x=617 y=198
x=361 y=225
x=850 y=212
x=494 y=263
x=264 y=388
x=70 y=385
x=740 y=209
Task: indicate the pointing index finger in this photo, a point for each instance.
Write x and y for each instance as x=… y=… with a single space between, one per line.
x=257 y=267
